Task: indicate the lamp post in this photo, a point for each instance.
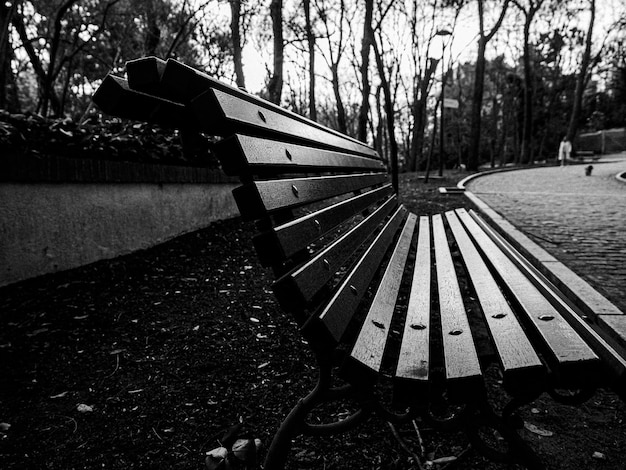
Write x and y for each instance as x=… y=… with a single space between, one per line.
x=442 y=33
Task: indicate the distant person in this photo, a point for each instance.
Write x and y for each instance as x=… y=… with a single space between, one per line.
x=565 y=150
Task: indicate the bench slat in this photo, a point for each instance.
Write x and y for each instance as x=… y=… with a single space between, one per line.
x=615 y=362
x=301 y=285
x=519 y=361
x=227 y=113
x=370 y=344
x=414 y=359
x=461 y=359
x=245 y=154
x=284 y=241
x=330 y=325
x=116 y=98
x=185 y=84
x=145 y=74
x=567 y=354
x=257 y=198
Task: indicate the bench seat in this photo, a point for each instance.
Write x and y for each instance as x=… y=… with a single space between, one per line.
x=382 y=295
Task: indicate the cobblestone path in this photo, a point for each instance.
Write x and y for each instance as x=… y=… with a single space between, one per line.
x=580 y=220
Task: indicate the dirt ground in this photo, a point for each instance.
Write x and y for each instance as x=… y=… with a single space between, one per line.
x=147 y=360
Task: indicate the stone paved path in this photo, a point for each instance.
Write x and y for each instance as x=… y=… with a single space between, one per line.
x=580 y=220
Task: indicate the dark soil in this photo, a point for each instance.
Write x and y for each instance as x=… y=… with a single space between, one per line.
x=172 y=346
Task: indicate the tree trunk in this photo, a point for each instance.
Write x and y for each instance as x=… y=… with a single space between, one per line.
x=419 y=115
x=393 y=145
x=275 y=86
x=235 y=15
x=310 y=38
x=365 y=62
x=479 y=85
x=341 y=111
x=8 y=87
x=582 y=78
x=527 y=129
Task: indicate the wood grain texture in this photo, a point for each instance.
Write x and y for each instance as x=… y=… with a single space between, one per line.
x=515 y=351
x=461 y=359
x=243 y=153
x=334 y=318
x=370 y=344
x=301 y=284
x=562 y=346
x=257 y=198
x=284 y=241
x=414 y=359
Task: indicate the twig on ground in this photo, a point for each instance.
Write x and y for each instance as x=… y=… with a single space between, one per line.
x=405 y=447
x=157 y=434
x=458 y=458
x=117 y=366
x=419 y=438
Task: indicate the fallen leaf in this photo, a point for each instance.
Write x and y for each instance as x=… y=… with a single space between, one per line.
x=82 y=408
x=245 y=450
x=598 y=456
x=215 y=458
x=4 y=427
x=541 y=432
x=60 y=395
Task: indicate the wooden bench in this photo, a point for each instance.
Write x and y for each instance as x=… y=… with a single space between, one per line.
x=377 y=291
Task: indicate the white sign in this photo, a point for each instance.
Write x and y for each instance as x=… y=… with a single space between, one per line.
x=450 y=103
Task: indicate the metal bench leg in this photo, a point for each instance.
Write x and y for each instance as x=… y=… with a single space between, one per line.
x=290 y=428
x=295 y=422
x=517 y=450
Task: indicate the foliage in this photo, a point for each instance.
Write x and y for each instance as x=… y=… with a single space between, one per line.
x=105 y=139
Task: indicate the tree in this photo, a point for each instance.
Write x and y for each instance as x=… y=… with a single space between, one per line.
x=479 y=82
x=334 y=51
x=528 y=10
x=364 y=69
x=582 y=76
x=275 y=85
x=310 y=38
x=235 y=12
x=8 y=87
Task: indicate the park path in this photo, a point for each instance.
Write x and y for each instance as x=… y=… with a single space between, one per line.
x=580 y=220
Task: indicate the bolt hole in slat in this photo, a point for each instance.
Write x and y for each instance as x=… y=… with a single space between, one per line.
x=262 y=117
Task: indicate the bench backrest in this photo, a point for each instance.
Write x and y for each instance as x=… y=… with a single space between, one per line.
x=325 y=207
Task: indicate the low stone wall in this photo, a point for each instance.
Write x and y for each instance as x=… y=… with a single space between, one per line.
x=54 y=223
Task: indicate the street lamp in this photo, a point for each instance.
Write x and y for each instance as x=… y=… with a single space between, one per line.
x=442 y=33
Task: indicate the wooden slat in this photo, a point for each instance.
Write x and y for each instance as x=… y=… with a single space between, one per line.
x=300 y=285
x=519 y=361
x=566 y=352
x=225 y=113
x=414 y=359
x=185 y=84
x=243 y=153
x=461 y=359
x=615 y=361
x=116 y=98
x=257 y=198
x=330 y=325
x=145 y=75
x=282 y=242
x=370 y=344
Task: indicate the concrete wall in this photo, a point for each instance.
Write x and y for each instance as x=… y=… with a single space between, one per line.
x=49 y=227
